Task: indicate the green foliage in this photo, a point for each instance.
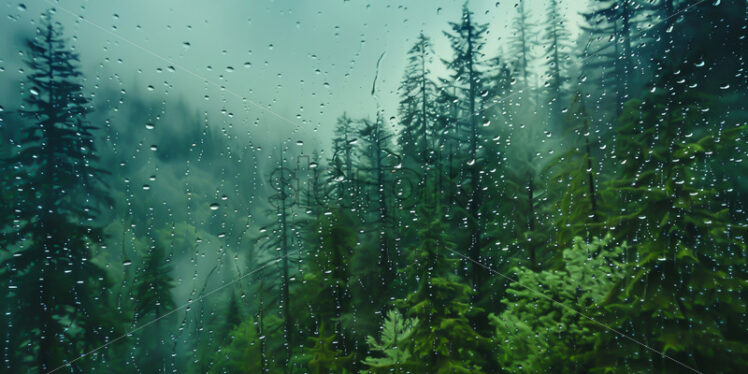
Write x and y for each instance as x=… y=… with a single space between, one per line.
x=242 y=355
x=445 y=341
x=154 y=284
x=544 y=328
x=153 y=300
x=393 y=345
x=685 y=247
x=59 y=294
x=573 y=174
x=324 y=358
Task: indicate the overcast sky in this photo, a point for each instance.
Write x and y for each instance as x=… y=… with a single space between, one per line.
x=279 y=67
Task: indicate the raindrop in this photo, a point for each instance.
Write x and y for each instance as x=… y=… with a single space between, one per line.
x=126 y=263
x=214 y=206
x=150 y=126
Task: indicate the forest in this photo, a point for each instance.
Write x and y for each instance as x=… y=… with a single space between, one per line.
x=573 y=201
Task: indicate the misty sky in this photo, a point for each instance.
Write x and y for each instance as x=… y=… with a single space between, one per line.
x=277 y=69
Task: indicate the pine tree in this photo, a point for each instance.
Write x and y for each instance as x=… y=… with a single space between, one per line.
x=556 y=39
x=327 y=274
x=575 y=173
x=521 y=43
x=281 y=242
x=467 y=40
x=153 y=300
x=375 y=167
x=417 y=96
x=443 y=341
x=541 y=330
x=342 y=161
x=58 y=290
x=324 y=357
x=685 y=248
x=393 y=346
x=242 y=354
x=612 y=22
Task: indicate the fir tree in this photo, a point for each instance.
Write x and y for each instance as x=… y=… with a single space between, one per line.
x=684 y=246
x=576 y=174
x=613 y=22
x=542 y=329
x=393 y=345
x=443 y=341
x=521 y=43
x=59 y=291
x=375 y=168
x=417 y=93
x=153 y=300
x=467 y=40
x=556 y=38
x=281 y=242
x=342 y=161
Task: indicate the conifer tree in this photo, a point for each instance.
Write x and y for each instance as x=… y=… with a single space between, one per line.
x=575 y=173
x=521 y=43
x=343 y=161
x=280 y=242
x=612 y=22
x=443 y=341
x=393 y=345
x=684 y=246
x=556 y=38
x=418 y=94
x=59 y=292
x=153 y=300
x=467 y=40
x=541 y=329
x=375 y=166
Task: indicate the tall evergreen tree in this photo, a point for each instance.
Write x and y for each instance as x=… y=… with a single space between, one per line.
x=59 y=292
x=417 y=95
x=153 y=300
x=443 y=341
x=376 y=164
x=521 y=43
x=281 y=242
x=467 y=40
x=343 y=161
x=556 y=38
x=576 y=175
x=612 y=24
x=686 y=250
